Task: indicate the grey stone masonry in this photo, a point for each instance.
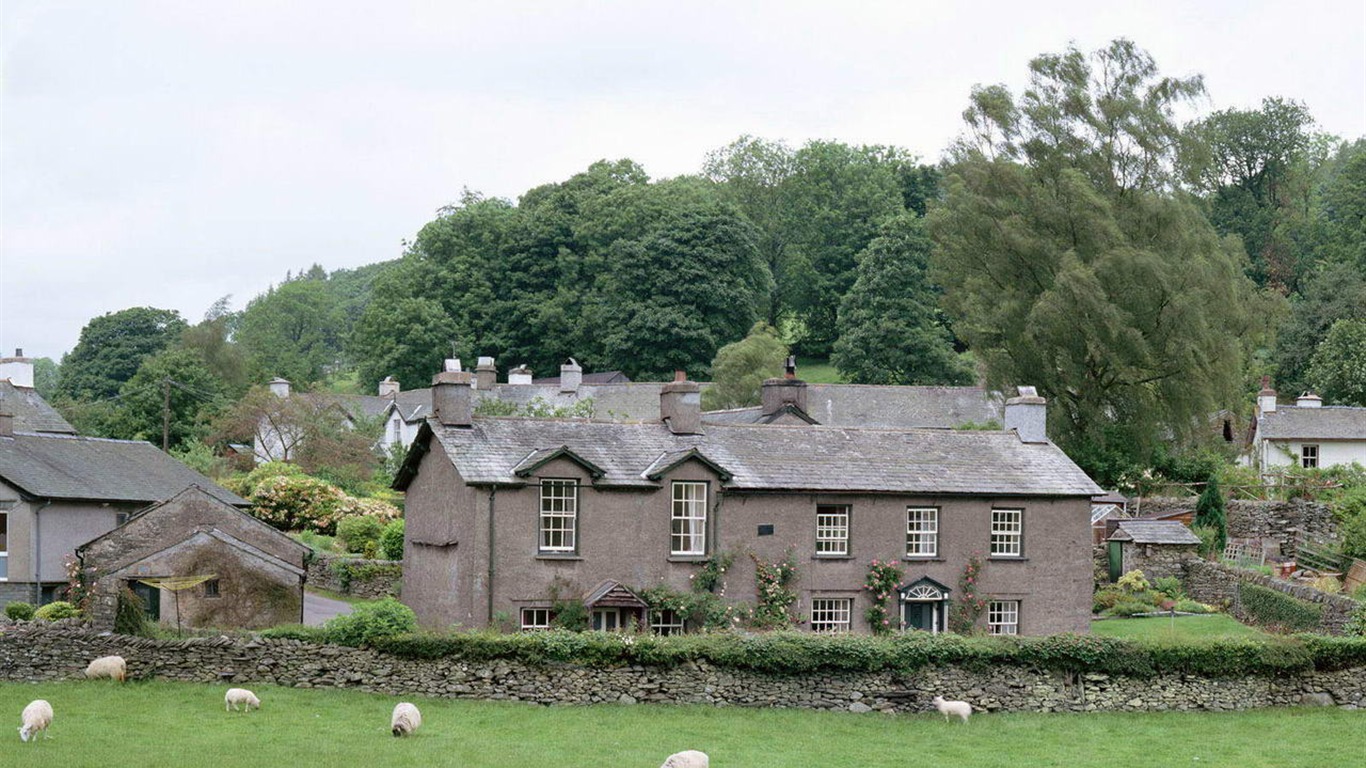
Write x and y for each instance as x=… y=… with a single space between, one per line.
x=35 y=652
x=370 y=579
x=1217 y=584
x=1281 y=521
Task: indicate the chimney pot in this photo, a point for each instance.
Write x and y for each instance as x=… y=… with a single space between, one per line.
x=485 y=374
x=1309 y=400
x=279 y=387
x=1027 y=414
x=790 y=367
x=453 y=398
x=1266 y=399
x=452 y=364
x=519 y=376
x=18 y=369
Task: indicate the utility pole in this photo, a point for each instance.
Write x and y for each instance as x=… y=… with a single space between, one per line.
x=165 y=415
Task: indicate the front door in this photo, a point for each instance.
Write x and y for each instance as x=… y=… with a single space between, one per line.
x=1116 y=560
x=606 y=619
x=925 y=616
x=151 y=597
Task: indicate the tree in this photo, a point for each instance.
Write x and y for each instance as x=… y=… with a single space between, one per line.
x=890 y=328
x=294 y=330
x=1068 y=263
x=1338 y=368
x=1336 y=292
x=739 y=369
x=402 y=336
x=1341 y=208
x=112 y=347
x=211 y=338
x=195 y=395
x=46 y=377
x=313 y=430
x=1209 y=513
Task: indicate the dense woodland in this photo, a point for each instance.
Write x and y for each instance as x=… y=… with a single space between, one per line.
x=1101 y=235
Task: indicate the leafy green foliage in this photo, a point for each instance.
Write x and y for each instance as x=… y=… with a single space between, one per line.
x=536 y=408
x=1338 y=367
x=775 y=595
x=890 y=327
x=195 y=397
x=1209 y=512
x=739 y=369
x=368 y=622
x=59 y=609
x=357 y=532
x=130 y=615
x=968 y=606
x=293 y=331
x=1336 y=292
x=881 y=583
x=19 y=611
x=1277 y=610
x=295 y=502
x=296 y=632
x=113 y=346
x=391 y=541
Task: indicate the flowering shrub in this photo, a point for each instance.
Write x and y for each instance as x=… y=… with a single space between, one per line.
x=296 y=502
x=379 y=509
x=968 y=607
x=883 y=579
x=774 y=584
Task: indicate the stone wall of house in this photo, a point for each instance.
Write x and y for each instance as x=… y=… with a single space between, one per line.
x=37 y=652
x=1281 y=521
x=370 y=579
x=1158 y=560
x=1217 y=584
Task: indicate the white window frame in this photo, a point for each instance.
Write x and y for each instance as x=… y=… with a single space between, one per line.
x=688 y=524
x=1007 y=533
x=666 y=622
x=534 y=619
x=832 y=530
x=4 y=553
x=598 y=620
x=1003 y=617
x=832 y=614
x=922 y=531
x=1309 y=456
x=398 y=431
x=559 y=518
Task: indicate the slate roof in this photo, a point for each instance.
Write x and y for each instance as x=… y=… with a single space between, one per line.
x=801 y=458
x=1154 y=532
x=890 y=407
x=98 y=469
x=1327 y=422
x=31 y=412
x=597 y=377
x=633 y=401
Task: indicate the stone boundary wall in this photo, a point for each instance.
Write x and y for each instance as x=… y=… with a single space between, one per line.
x=370 y=579
x=1279 y=521
x=1217 y=584
x=39 y=652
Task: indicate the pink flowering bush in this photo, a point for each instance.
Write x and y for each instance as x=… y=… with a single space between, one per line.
x=969 y=605
x=884 y=577
x=774 y=584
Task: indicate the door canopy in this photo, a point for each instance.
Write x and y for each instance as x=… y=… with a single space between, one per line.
x=924 y=590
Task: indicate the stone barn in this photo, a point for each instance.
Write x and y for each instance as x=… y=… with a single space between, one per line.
x=255 y=574
x=1156 y=547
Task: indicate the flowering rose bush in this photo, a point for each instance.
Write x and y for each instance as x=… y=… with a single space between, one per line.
x=882 y=582
x=774 y=584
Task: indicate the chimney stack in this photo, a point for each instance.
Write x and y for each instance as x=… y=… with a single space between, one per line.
x=18 y=369
x=1027 y=414
x=485 y=374
x=279 y=387
x=519 y=376
x=571 y=375
x=388 y=387
x=680 y=405
x=453 y=398
x=1266 y=399
x=6 y=425
x=1309 y=400
x=789 y=390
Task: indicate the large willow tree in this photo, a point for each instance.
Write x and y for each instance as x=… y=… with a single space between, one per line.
x=1070 y=262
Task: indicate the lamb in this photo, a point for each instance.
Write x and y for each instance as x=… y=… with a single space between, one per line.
x=242 y=696
x=406 y=719
x=37 y=717
x=960 y=708
x=113 y=667
x=687 y=759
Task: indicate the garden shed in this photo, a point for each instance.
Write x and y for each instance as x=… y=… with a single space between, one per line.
x=1155 y=547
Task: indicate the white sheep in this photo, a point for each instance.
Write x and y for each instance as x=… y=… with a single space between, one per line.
x=37 y=717
x=687 y=759
x=406 y=719
x=960 y=708
x=240 y=696
x=113 y=667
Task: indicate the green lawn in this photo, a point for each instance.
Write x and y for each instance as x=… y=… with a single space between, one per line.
x=1215 y=625
x=817 y=371
x=175 y=724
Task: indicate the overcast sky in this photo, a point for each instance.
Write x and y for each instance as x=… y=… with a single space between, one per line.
x=167 y=154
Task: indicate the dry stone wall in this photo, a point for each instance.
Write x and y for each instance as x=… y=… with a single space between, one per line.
x=369 y=579
x=1217 y=584
x=1280 y=521
x=36 y=652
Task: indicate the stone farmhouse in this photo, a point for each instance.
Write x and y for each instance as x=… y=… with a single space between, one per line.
x=501 y=512
x=1307 y=434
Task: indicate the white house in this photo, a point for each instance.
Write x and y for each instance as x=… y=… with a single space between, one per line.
x=1307 y=434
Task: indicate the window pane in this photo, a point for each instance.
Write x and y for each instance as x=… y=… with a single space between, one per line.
x=559 y=515
x=831 y=614
x=688 y=534
x=922 y=532
x=832 y=530
x=1003 y=617
x=535 y=618
x=666 y=622
x=1007 y=526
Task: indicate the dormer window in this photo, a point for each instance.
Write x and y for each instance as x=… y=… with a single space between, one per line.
x=689 y=525
x=559 y=515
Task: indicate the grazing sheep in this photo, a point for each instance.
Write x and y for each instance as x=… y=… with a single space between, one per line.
x=960 y=708
x=242 y=696
x=37 y=717
x=113 y=667
x=406 y=719
x=687 y=759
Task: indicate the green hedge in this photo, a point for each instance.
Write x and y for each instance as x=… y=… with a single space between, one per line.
x=797 y=653
x=1276 y=609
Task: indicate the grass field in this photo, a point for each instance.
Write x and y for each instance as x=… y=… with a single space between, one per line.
x=179 y=724
x=817 y=370
x=1216 y=625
